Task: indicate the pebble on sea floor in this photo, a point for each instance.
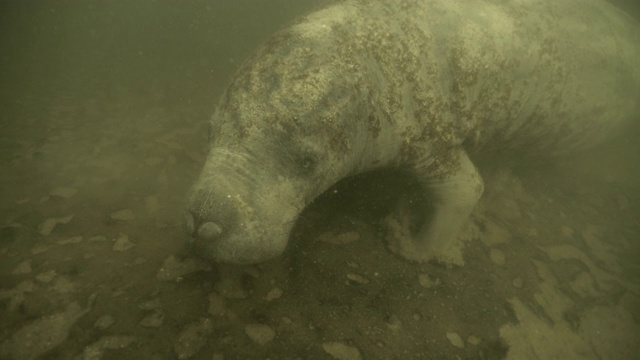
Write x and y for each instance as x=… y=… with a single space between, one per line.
x=498 y=257
x=123 y=215
x=394 y=323
x=22 y=268
x=260 y=333
x=104 y=322
x=97 y=238
x=474 y=340
x=566 y=231
x=517 y=282
x=354 y=279
x=96 y=350
x=71 y=240
x=426 y=281
x=455 y=340
x=49 y=224
x=63 y=192
x=152 y=304
x=192 y=338
x=122 y=243
x=273 y=294
x=153 y=320
x=173 y=269
x=341 y=351
x=47 y=276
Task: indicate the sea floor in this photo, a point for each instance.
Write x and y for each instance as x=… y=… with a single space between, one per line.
x=92 y=263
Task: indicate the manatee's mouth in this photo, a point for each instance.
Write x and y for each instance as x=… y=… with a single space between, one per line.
x=239 y=216
x=239 y=244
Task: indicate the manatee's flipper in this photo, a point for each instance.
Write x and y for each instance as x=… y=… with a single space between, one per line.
x=453 y=195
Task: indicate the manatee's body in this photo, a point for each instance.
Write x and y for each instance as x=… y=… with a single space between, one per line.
x=407 y=83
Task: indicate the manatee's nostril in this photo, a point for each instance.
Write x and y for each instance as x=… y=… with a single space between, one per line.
x=209 y=231
x=189 y=223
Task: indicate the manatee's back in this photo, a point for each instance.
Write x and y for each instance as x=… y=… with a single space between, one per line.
x=561 y=76
x=579 y=78
x=548 y=76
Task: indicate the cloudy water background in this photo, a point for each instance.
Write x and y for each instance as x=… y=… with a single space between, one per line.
x=103 y=127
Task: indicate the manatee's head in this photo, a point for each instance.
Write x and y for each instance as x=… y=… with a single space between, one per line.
x=240 y=210
x=284 y=132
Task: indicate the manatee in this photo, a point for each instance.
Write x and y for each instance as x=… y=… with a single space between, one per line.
x=406 y=84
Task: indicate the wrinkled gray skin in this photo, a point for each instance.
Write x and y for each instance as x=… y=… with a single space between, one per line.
x=416 y=84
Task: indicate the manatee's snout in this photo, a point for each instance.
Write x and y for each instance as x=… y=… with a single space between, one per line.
x=205 y=237
x=209 y=220
x=206 y=231
x=230 y=228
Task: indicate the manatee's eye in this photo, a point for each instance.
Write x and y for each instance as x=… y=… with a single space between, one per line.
x=306 y=163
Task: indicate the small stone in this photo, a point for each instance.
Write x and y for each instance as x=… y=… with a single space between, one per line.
x=123 y=215
x=455 y=340
x=584 y=286
x=16 y=295
x=47 y=276
x=173 y=269
x=566 y=231
x=497 y=256
x=494 y=234
x=517 y=283
x=357 y=279
x=71 y=240
x=49 y=224
x=62 y=284
x=22 y=268
x=426 y=281
x=192 y=338
x=508 y=208
x=96 y=350
x=216 y=304
x=63 y=192
x=150 y=305
x=104 y=322
x=44 y=334
x=153 y=320
x=122 y=243
x=473 y=340
x=259 y=333
x=394 y=323
x=39 y=249
x=273 y=294
x=218 y=356
x=97 y=238
x=341 y=351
